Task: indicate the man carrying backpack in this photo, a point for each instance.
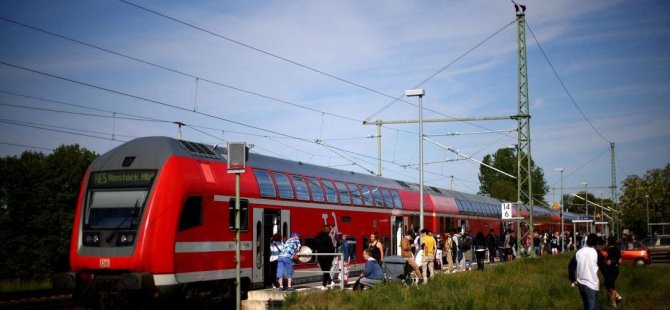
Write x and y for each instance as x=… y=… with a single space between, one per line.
x=492 y=245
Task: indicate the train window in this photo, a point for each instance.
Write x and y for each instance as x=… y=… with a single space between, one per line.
x=352 y=247
x=265 y=184
x=367 y=196
x=191 y=213
x=377 y=194
x=331 y=194
x=396 y=199
x=284 y=186
x=315 y=189
x=244 y=214
x=343 y=192
x=387 y=197
x=355 y=194
x=301 y=191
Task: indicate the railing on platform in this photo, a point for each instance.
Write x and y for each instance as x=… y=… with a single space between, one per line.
x=340 y=267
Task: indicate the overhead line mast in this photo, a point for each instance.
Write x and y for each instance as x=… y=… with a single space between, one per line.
x=524 y=172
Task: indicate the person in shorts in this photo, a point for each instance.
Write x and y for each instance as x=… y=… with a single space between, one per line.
x=285 y=261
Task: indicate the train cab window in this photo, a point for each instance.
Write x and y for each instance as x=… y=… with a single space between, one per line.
x=396 y=199
x=265 y=184
x=244 y=214
x=284 y=186
x=377 y=194
x=367 y=196
x=343 y=192
x=315 y=189
x=191 y=213
x=356 y=197
x=387 y=197
x=301 y=191
x=331 y=194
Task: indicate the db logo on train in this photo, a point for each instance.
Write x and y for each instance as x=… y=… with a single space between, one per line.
x=105 y=263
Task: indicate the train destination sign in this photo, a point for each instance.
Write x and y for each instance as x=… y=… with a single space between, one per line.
x=126 y=178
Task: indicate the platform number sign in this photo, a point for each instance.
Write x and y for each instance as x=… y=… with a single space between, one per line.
x=506 y=211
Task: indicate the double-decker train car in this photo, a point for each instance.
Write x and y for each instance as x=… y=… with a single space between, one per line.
x=154 y=217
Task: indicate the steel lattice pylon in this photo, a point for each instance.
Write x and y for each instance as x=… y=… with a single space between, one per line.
x=524 y=172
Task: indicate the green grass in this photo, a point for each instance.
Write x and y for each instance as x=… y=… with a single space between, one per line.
x=8 y=286
x=523 y=284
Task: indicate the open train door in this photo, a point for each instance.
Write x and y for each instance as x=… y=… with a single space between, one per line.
x=397 y=233
x=267 y=222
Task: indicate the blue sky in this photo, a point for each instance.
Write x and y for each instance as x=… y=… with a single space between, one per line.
x=613 y=56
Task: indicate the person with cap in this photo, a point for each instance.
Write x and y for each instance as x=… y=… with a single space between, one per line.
x=285 y=265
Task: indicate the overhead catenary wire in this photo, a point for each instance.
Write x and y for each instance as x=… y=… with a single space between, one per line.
x=395 y=99
x=61 y=131
x=445 y=67
x=565 y=88
x=27 y=146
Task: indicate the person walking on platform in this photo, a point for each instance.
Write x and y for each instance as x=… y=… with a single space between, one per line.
x=428 y=261
x=406 y=247
x=324 y=244
x=583 y=272
x=492 y=245
x=449 y=249
x=479 y=245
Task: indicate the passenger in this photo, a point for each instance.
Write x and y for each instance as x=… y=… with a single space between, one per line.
x=507 y=245
x=536 y=244
x=467 y=255
x=458 y=240
x=372 y=275
x=406 y=247
x=449 y=249
x=612 y=270
x=341 y=246
x=275 y=249
x=554 y=243
x=492 y=245
x=285 y=265
x=439 y=254
x=479 y=245
x=583 y=271
x=428 y=261
x=417 y=243
x=376 y=248
x=324 y=244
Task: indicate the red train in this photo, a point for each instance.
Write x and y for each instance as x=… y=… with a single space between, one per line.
x=154 y=216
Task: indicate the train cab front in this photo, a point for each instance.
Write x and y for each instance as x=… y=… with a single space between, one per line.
x=108 y=255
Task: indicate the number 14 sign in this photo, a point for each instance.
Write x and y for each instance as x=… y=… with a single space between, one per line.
x=506 y=211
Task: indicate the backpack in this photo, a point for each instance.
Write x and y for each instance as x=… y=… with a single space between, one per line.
x=468 y=242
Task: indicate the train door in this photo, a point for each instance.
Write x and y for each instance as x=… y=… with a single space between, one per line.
x=267 y=222
x=397 y=233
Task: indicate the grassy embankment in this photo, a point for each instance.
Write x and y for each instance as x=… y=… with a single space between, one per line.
x=523 y=284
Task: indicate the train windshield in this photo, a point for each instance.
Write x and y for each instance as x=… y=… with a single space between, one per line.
x=115 y=209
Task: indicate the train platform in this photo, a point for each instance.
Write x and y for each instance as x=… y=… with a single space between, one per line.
x=270 y=298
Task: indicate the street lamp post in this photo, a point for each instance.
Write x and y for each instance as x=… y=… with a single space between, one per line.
x=419 y=93
x=646 y=197
x=562 y=221
x=586 y=204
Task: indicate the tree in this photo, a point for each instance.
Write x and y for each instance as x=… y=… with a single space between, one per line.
x=653 y=188
x=38 y=197
x=498 y=185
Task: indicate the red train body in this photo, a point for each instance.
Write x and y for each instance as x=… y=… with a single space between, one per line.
x=154 y=216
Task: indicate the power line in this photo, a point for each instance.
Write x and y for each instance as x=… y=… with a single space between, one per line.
x=441 y=70
x=311 y=68
x=565 y=88
x=138 y=118
x=10 y=122
x=27 y=146
x=583 y=165
x=197 y=78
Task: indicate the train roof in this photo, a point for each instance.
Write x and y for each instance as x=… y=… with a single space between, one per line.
x=164 y=147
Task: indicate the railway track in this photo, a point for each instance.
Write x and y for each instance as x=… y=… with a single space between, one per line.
x=41 y=299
